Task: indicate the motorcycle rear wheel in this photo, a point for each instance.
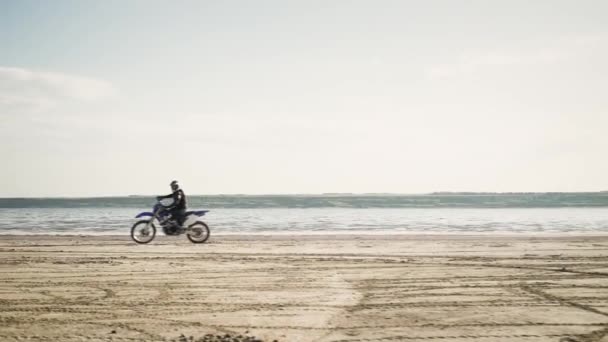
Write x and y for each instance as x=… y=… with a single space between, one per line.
x=141 y=233
x=198 y=232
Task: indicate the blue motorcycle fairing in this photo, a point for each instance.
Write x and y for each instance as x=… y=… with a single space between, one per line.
x=145 y=213
x=197 y=212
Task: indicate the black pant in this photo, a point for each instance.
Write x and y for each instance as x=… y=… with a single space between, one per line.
x=178 y=215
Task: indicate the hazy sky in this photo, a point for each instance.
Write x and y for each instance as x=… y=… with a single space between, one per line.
x=120 y=97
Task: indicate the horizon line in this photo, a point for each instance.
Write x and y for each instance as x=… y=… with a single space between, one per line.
x=328 y=194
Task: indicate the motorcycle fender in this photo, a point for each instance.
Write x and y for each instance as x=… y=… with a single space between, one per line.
x=145 y=213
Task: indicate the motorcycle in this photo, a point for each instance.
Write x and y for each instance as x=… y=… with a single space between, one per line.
x=144 y=231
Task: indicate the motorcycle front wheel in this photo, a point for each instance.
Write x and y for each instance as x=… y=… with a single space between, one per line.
x=142 y=233
x=198 y=232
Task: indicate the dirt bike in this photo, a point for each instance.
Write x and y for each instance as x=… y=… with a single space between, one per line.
x=144 y=231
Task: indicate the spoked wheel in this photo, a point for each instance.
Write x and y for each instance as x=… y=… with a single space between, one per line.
x=142 y=233
x=198 y=232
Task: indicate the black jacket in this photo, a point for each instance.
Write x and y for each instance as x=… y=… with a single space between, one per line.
x=179 y=199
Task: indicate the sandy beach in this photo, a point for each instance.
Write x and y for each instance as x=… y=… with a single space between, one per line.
x=305 y=288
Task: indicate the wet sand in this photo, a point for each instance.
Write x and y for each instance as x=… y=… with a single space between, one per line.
x=305 y=288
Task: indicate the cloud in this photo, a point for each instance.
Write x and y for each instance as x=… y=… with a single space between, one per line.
x=556 y=51
x=21 y=87
x=471 y=63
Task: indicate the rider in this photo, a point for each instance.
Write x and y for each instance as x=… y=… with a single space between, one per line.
x=178 y=207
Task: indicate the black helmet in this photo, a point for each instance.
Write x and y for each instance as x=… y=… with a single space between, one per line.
x=174 y=185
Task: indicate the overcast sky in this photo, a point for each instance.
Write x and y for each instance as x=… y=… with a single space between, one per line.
x=120 y=97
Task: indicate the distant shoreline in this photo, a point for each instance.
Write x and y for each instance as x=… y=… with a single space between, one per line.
x=334 y=200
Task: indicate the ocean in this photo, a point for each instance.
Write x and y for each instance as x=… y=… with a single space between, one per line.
x=440 y=213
